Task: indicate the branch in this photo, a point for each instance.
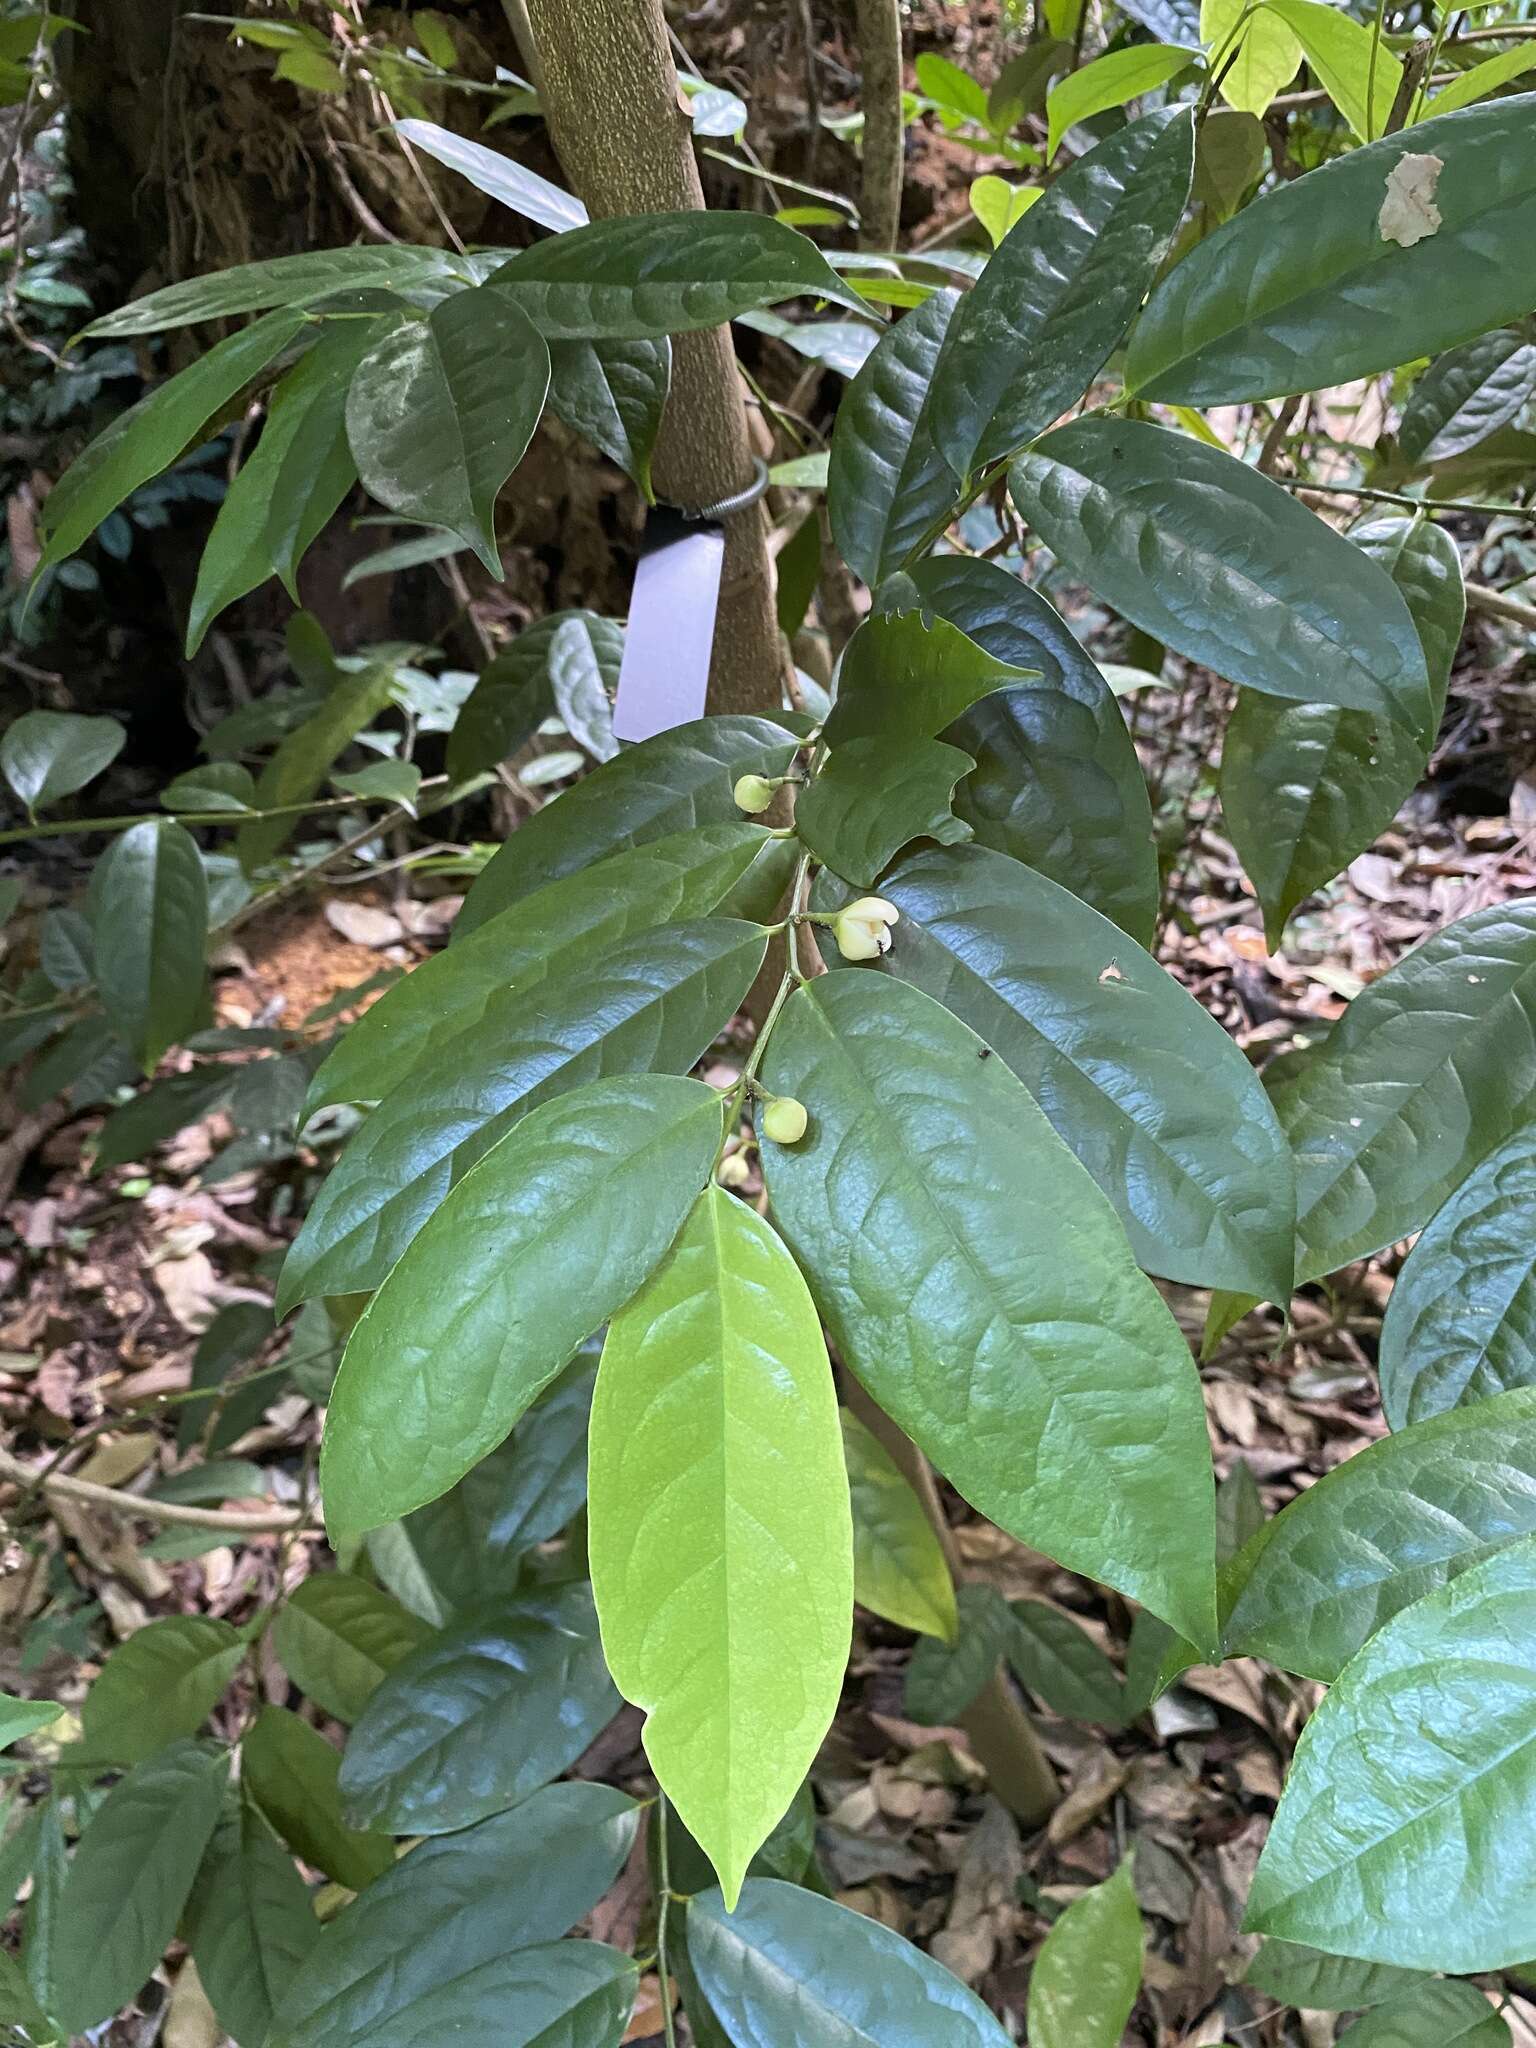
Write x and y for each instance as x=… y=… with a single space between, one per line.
x=1481 y=599
x=879 y=32
x=59 y=1486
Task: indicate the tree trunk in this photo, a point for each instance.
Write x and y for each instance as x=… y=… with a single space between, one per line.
x=884 y=140
x=617 y=117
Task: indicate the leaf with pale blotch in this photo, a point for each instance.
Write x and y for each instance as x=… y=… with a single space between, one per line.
x=1408 y=212
x=720 y=1539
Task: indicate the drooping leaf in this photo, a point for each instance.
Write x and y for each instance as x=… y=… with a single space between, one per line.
x=249 y=1925
x=655 y=274
x=1461 y=1319
x=888 y=484
x=298 y=769
x=504 y=180
x=1302 y=1976
x=293 y=482
x=45 y=755
x=681 y=779
x=648 y=1003
x=440 y=411
x=158 y=1686
x=1466 y=395
x=150 y=435
x=1352 y=61
x=336 y=1637
x=130 y=1878
x=213 y=786
x=1266 y=58
x=1038 y=326
x=1129 y=1068
x=786 y=1966
x=1086 y=1977
x=1429 y=1069
x=687 y=874
x=392 y=782
x=1301 y=290
x=20 y=1718
x=1411 y=1794
x=1060 y=1661
x=1112 y=81
x=1231 y=151
x=453 y=1904
x=719 y=1530
x=969 y=1269
x=1383 y=1529
x=479 y=1717
x=149 y=919
x=1305 y=787
x=1444 y=2014
x=1057 y=783
x=290 y=1770
x=1479 y=80
x=612 y=393
x=899 y=1571
x=944 y=1676
x=906 y=675
x=500 y=1288
x=873 y=796
x=1216 y=561
x=314 y=274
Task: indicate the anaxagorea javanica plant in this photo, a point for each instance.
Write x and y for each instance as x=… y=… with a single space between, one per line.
x=988 y=1123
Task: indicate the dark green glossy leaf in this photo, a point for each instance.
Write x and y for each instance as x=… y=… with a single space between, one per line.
x=1216 y=561
x=249 y=1925
x=501 y=1287
x=453 y=1904
x=292 y=484
x=1466 y=395
x=1040 y=322
x=1302 y=1976
x=888 y=484
x=1305 y=787
x=149 y=916
x=1302 y=289
x=283 y=281
x=585 y=656
x=65 y=948
x=130 y=1878
x=1062 y=1664
x=1057 y=783
x=1431 y=2015
x=654 y=274
x=298 y=770
x=481 y=1716
x=899 y=1571
x=1411 y=1796
x=566 y=1994
x=789 y=1966
x=681 y=779
x=906 y=675
x=978 y=1283
x=943 y=1677
x=1461 y=1321
x=612 y=394
x=719 y=1533
x=1086 y=1977
x=1385 y=1528
x=159 y=1685
x=1139 y=1079
x=45 y=755
x=150 y=435
x=290 y=1770
x=466 y=1547
x=1429 y=1069
x=441 y=409
x=651 y=1002
x=875 y=795
x=213 y=786
x=336 y=1637
x=134 y=1129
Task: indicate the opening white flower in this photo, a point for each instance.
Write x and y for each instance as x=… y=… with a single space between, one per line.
x=863 y=929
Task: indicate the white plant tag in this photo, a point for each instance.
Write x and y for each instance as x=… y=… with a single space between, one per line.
x=664 y=675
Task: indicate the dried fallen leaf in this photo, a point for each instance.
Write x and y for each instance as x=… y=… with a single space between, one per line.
x=1409 y=213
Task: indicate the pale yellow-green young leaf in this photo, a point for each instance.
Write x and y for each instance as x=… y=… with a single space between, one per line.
x=1268 y=54
x=1086 y=1977
x=720 y=1538
x=899 y=1570
x=998 y=205
x=1111 y=81
x=1482 y=80
x=1353 y=64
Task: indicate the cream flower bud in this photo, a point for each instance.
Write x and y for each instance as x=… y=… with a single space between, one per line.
x=863 y=929
x=753 y=793
x=735 y=1171
x=784 y=1120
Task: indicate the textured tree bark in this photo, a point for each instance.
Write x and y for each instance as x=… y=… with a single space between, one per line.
x=879 y=29
x=1001 y=1733
x=617 y=117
